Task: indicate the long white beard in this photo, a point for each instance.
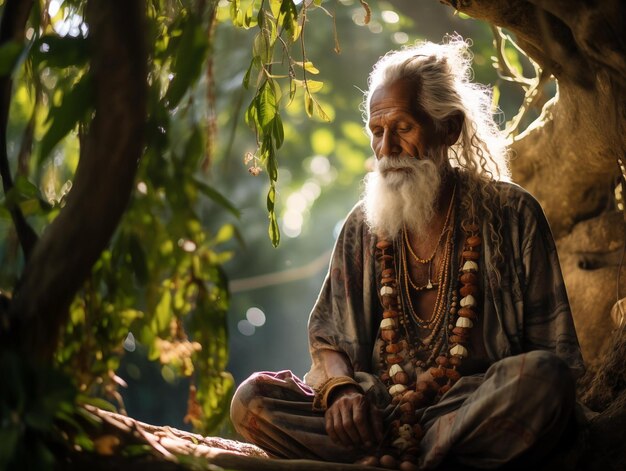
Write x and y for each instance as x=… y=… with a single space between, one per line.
x=406 y=196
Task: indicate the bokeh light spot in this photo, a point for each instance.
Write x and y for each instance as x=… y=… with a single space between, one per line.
x=255 y=316
x=400 y=37
x=320 y=165
x=390 y=16
x=245 y=328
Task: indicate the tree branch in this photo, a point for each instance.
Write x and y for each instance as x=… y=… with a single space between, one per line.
x=70 y=246
x=597 y=28
x=542 y=35
x=12 y=27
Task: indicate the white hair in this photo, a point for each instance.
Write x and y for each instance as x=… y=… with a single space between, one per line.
x=442 y=73
x=401 y=192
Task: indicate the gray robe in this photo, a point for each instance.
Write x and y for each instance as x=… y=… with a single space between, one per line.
x=527 y=309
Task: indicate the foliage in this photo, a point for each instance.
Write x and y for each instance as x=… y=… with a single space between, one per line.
x=280 y=26
x=160 y=278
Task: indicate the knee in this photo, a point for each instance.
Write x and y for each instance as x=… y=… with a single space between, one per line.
x=245 y=401
x=548 y=366
x=556 y=383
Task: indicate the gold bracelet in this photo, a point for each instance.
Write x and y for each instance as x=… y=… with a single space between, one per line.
x=320 y=401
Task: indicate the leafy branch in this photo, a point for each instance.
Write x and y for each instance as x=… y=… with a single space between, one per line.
x=280 y=28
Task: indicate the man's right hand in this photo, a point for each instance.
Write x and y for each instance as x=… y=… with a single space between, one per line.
x=351 y=419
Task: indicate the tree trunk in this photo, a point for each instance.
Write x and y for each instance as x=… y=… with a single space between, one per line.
x=62 y=259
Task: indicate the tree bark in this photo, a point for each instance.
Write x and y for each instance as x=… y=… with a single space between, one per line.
x=63 y=257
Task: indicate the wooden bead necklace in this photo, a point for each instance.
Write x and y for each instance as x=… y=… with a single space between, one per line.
x=449 y=327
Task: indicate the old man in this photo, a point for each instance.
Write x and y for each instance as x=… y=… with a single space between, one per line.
x=443 y=327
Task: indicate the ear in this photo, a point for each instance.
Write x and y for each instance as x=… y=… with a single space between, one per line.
x=453 y=126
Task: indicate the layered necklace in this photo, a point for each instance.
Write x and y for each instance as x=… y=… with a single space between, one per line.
x=444 y=342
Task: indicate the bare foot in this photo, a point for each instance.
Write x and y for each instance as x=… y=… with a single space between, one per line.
x=389 y=462
x=408 y=466
x=368 y=461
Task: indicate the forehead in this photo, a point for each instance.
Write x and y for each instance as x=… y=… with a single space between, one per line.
x=398 y=96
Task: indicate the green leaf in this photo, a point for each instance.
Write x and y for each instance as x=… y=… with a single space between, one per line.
x=267 y=106
x=236 y=15
x=273 y=230
x=271 y=198
x=252 y=115
x=308 y=103
x=320 y=112
x=261 y=48
x=188 y=61
x=275 y=6
x=163 y=311
x=214 y=395
x=225 y=233
x=293 y=88
x=278 y=131
x=25 y=187
x=289 y=19
x=308 y=66
x=61 y=52
x=27 y=196
x=9 y=56
x=250 y=19
x=63 y=118
x=246 y=78
x=272 y=162
x=217 y=197
x=314 y=86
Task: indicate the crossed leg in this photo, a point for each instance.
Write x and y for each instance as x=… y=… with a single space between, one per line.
x=522 y=402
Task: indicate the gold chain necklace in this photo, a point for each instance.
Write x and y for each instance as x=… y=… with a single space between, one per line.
x=424 y=261
x=442 y=283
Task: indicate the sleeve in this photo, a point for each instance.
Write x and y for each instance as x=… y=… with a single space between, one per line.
x=547 y=318
x=341 y=319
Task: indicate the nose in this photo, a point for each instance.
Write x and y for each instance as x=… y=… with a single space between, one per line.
x=388 y=145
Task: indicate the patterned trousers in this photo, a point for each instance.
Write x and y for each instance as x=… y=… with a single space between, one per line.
x=520 y=404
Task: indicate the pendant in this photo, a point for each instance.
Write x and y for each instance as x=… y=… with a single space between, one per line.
x=429 y=285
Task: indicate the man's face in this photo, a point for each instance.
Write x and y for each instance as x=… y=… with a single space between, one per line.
x=397 y=126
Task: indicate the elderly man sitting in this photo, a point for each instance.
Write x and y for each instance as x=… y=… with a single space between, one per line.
x=443 y=327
